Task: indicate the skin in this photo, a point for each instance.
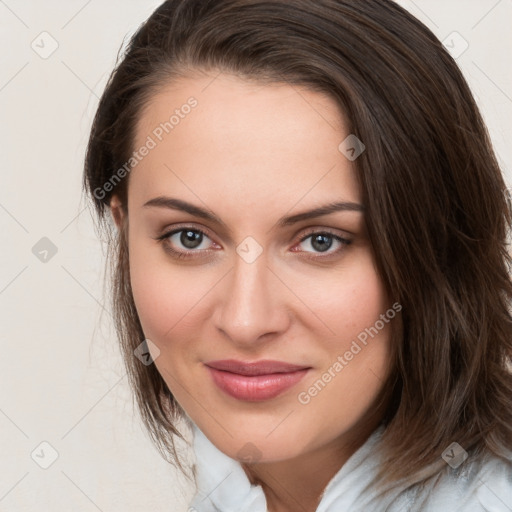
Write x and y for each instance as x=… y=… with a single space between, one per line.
x=252 y=153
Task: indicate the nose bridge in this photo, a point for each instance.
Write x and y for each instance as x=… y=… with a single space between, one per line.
x=251 y=304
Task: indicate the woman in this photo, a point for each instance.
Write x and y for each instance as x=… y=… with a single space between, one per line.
x=311 y=263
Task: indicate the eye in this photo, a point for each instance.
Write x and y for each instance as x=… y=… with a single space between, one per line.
x=188 y=238
x=185 y=241
x=322 y=241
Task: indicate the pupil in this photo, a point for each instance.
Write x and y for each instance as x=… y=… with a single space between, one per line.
x=191 y=239
x=322 y=242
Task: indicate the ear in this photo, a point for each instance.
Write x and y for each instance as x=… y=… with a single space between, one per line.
x=117 y=211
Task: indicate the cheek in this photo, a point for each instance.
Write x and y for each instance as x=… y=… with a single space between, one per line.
x=346 y=301
x=364 y=333
x=359 y=306
x=166 y=296
x=356 y=355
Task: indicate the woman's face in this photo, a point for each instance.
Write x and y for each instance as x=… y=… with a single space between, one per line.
x=248 y=274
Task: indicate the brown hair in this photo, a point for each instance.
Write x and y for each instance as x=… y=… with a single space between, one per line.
x=436 y=207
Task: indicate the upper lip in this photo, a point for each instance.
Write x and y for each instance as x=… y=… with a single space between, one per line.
x=264 y=367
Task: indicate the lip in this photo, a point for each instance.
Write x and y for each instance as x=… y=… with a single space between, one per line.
x=255 y=381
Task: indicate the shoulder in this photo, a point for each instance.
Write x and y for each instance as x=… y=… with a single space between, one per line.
x=480 y=485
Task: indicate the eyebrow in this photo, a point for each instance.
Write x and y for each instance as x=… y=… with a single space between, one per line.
x=178 y=204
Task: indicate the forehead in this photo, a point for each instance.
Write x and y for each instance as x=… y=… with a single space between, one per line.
x=214 y=134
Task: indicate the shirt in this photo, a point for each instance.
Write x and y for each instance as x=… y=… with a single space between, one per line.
x=480 y=486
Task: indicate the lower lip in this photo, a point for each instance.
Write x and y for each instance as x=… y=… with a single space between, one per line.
x=256 y=388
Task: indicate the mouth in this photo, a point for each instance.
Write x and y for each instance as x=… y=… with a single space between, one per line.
x=255 y=381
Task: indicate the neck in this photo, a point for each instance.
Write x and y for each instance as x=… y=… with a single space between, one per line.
x=297 y=484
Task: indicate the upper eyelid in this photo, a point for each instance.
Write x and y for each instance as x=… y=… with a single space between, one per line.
x=329 y=231
x=172 y=231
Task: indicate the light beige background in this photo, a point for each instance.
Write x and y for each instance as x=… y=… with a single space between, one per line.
x=61 y=377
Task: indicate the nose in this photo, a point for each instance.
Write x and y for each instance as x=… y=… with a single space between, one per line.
x=252 y=306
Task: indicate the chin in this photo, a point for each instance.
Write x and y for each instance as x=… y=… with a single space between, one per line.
x=258 y=445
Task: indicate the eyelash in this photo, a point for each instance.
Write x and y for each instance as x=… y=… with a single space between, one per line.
x=164 y=239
